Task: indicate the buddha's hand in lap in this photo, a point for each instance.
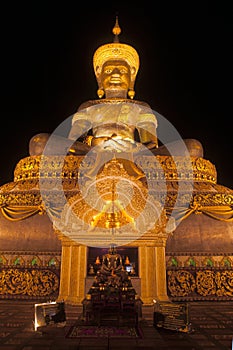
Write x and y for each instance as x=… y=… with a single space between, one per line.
x=119 y=145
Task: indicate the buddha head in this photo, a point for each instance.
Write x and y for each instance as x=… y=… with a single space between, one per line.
x=116 y=66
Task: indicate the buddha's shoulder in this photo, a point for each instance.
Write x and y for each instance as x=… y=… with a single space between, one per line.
x=103 y=102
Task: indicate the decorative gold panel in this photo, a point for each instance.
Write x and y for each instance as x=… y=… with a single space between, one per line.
x=164 y=175
x=155 y=167
x=196 y=284
x=28 y=282
x=180 y=283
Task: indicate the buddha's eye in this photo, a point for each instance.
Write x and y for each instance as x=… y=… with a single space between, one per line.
x=108 y=71
x=123 y=71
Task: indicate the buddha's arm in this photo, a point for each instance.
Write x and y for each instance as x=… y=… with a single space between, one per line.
x=79 y=148
x=146 y=126
x=147 y=135
x=80 y=126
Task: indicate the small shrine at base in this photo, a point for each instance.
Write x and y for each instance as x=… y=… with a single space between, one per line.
x=150 y=283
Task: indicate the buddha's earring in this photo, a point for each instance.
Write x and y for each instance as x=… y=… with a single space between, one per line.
x=100 y=93
x=131 y=93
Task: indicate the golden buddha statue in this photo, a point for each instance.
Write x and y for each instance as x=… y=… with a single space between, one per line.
x=112 y=262
x=115 y=121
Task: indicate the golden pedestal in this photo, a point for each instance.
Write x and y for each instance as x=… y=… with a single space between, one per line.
x=151 y=244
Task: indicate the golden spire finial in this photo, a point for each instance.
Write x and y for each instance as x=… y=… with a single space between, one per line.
x=116 y=31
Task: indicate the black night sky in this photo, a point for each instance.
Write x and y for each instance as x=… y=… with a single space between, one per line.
x=185 y=73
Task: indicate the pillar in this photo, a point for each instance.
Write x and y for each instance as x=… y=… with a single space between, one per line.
x=160 y=274
x=152 y=272
x=73 y=272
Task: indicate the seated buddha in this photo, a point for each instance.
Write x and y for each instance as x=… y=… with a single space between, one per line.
x=112 y=272
x=115 y=121
x=111 y=263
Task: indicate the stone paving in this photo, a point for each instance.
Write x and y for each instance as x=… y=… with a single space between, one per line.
x=212 y=324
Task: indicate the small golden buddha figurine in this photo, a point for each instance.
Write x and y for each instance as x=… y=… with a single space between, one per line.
x=127 y=262
x=91 y=270
x=97 y=261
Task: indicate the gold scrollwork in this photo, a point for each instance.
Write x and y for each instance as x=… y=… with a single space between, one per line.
x=219 y=283
x=181 y=283
x=28 y=282
x=204 y=283
x=224 y=282
x=201 y=169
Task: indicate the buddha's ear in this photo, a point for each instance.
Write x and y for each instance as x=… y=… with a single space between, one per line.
x=133 y=70
x=98 y=71
x=131 y=92
x=100 y=91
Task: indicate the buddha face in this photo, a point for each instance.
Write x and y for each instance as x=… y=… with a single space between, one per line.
x=115 y=75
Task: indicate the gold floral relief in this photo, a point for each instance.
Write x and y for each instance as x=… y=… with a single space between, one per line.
x=181 y=283
x=29 y=282
x=205 y=281
x=208 y=199
x=200 y=283
x=21 y=199
x=156 y=167
x=224 y=282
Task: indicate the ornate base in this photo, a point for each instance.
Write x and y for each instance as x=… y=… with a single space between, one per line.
x=207 y=276
x=29 y=275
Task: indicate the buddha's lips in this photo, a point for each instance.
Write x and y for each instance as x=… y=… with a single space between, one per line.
x=115 y=81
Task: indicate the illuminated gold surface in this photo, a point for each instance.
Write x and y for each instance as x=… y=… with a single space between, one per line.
x=113 y=175
x=29 y=274
x=34 y=282
x=21 y=199
x=116 y=29
x=151 y=254
x=116 y=66
x=24 y=193
x=152 y=243
x=200 y=275
x=115 y=51
x=202 y=170
x=212 y=283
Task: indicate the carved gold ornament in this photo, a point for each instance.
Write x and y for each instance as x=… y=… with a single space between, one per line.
x=200 y=284
x=116 y=51
x=28 y=282
x=21 y=198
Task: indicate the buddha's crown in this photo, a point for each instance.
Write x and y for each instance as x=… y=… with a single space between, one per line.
x=116 y=51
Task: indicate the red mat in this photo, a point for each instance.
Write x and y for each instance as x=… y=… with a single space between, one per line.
x=78 y=331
